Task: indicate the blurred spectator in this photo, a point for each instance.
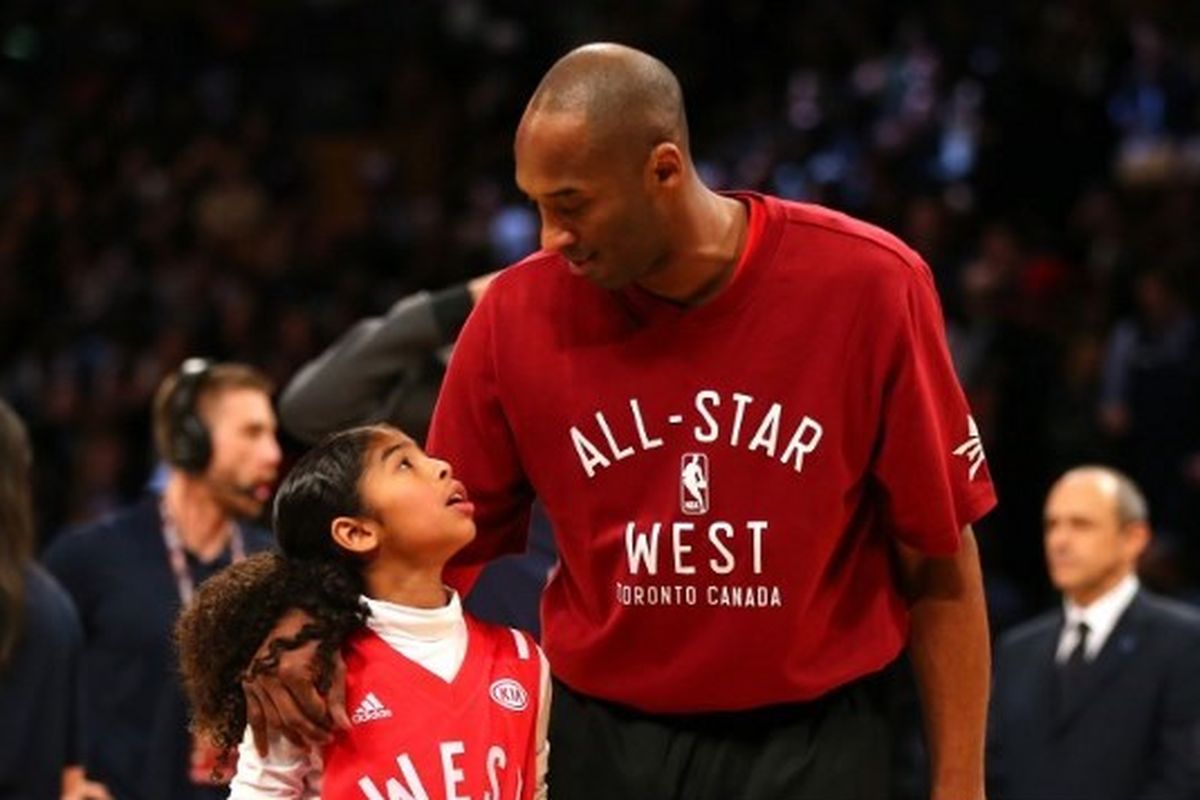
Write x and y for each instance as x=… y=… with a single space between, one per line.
x=1150 y=399
x=132 y=571
x=1098 y=699
x=41 y=737
x=1153 y=106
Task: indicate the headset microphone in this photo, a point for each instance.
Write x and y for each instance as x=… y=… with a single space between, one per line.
x=189 y=444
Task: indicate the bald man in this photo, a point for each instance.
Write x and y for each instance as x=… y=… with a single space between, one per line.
x=1099 y=699
x=740 y=415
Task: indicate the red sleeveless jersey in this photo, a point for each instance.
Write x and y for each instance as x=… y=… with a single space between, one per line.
x=415 y=736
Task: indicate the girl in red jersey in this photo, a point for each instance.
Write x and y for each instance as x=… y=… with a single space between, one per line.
x=442 y=706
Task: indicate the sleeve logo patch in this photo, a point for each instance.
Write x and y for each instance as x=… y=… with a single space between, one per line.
x=972 y=448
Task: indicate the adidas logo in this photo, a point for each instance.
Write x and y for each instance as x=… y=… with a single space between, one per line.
x=370 y=709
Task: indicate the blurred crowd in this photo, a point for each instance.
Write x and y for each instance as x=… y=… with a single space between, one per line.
x=245 y=180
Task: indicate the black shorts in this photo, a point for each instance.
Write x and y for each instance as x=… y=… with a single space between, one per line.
x=833 y=748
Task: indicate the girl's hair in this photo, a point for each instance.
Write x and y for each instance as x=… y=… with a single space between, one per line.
x=220 y=633
x=16 y=528
x=322 y=486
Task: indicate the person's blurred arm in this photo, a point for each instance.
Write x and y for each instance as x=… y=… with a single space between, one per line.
x=76 y=786
x=363 y=377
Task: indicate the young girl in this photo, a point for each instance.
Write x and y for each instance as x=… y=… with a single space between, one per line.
x=442 y=706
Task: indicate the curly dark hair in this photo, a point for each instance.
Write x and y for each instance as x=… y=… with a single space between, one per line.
x=236 y=610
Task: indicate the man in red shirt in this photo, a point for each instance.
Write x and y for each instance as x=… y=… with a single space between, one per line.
x=741 y=422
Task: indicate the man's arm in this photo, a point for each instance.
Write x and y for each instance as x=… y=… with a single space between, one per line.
x=1174 y=768
x=366 y=374
x=948 y=646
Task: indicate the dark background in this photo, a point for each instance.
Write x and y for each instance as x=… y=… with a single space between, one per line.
x=243 y=180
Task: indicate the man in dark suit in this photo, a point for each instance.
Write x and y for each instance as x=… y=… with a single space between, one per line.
x=1098 y=699
x=131 y=572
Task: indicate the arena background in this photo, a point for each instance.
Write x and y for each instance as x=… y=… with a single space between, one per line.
x=243 y=180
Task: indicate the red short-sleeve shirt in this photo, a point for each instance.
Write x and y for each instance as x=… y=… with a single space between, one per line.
x=725 y=482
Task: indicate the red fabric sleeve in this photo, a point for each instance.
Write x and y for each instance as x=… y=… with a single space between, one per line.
x=930 y=462
x=469 y=430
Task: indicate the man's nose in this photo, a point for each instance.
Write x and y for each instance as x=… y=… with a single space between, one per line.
x=273 y=452
x=556 y=238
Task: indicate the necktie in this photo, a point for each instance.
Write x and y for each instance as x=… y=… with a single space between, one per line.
x=1077 y=660
x=1071 y=671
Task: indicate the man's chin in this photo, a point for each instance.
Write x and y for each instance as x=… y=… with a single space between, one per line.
x=1066 y=584
x=244 y=508
x=607 y=280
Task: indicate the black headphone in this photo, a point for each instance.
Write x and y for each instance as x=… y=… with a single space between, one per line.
x=189 y=446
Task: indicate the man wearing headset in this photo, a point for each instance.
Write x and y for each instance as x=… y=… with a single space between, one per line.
x=130 y=573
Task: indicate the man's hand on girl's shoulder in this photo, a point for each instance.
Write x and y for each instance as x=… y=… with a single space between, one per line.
x=281 y=690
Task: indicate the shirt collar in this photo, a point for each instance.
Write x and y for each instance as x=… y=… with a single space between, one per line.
x=1101 y=614
x=392 y=620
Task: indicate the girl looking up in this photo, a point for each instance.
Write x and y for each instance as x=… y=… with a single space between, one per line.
x=442 y=706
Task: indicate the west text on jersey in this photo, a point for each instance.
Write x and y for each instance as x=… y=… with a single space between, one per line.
x=686 y=548
x=718 y=541
x=408 y=784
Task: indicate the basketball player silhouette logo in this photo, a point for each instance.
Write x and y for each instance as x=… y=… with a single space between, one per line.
x=693 y=484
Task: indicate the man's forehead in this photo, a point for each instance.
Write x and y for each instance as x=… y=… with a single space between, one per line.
x=239 y=401
x=553 y=151
x=1092 y=489
x=545 y=127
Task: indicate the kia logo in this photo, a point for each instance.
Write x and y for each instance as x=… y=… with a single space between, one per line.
x=510 y=694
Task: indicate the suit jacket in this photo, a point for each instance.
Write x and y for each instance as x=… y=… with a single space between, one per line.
x=1129 y=729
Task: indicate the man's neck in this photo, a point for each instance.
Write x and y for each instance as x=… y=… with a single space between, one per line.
x=203 y=525
x=711 y=234
x=415 y=589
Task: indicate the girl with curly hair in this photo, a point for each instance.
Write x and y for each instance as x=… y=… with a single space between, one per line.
x=444 y=706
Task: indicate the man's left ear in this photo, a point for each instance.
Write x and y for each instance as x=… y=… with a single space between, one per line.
x=665 y=165
x=357 y=535
x=1139 y=537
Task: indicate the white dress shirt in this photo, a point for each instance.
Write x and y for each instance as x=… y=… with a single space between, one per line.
x=435 y=638
x=1100 y=616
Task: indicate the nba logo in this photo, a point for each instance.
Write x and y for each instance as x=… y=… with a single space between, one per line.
x=693 y=484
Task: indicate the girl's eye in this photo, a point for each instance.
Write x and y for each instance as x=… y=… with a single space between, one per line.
x=404 y=463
